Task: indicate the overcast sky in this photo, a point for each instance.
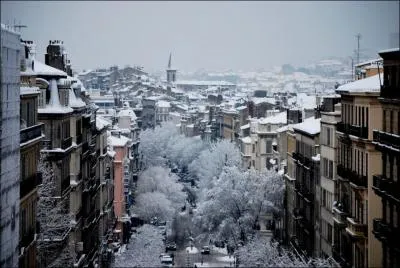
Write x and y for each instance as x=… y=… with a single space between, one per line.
x=210 y=35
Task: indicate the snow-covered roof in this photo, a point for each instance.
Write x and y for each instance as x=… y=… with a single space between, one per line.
x=128 y=113
x=74 y=101
x=246 y=139
x=101 y=122
x=29 y=90
x=163 y=104
x=45 y=70
x=118 y=141
x=245 y=126
x=241 y=107
x=262 y=100
x=280 y=118
x=283 y=129
x=310 y=125
x=374 y=61
x=389 y=50
x=369 y=84
x=203 y=83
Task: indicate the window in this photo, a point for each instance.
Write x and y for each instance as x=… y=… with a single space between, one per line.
x=268 y=148
x=328 y=133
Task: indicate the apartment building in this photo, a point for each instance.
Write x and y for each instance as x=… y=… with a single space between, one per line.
x=357 y=160
x=259 y=147
x=162 y=111
x=386 y=184
x=30 y=141
x=328 y=185
x=305 y=172
x=9 y=146
x=119 y=144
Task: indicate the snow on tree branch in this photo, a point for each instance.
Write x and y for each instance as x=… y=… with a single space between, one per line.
x=54 y=220
x=143 y=250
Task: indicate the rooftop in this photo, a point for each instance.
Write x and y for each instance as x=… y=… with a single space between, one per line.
x=371 y=84
x=311 y=126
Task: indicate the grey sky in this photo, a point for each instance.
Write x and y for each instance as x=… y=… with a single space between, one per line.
x=211 y=35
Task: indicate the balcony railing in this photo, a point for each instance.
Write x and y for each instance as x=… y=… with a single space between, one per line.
x=386 y=187
x=343 y=172
x=340 y=213
x=27 y=238
x=356 y=229
x=385 y=232
x=30 y=133
x=28 y=185
x=359 y=181
x=66 y=143
x=389 y=139
x=298 y=213
x=359 y=131
x=302 y=159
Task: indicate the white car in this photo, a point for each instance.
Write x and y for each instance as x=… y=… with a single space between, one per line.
x=166 y=260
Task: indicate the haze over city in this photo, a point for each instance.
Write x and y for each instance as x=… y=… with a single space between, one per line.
x=209 y=35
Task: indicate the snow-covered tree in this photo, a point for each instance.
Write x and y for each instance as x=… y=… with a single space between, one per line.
x=159 y=194
x=261 y=252
x=54 y=221
x=154 y=142
x=143 y=250
x=231 y=206
x=211 y=161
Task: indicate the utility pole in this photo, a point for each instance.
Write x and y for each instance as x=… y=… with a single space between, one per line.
x=358 y=36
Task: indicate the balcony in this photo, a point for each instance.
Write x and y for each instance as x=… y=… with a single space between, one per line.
x=29 y=184
x=30 y=133
x=383 y=138
x=355 y=229
x=385 y=187
x=358 y=131
x=384 y=232
x=358 y=181
x=343 y=172
x=66 y=143
x=302 y=159
x=342 y=127
x=27 y=238
x=298 y=213
x=340 y=214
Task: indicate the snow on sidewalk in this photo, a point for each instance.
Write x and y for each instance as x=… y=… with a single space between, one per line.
x=226 y=259
x=220 y=250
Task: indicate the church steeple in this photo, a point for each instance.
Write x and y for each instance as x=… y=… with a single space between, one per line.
x=171 y=72
x=169 y=62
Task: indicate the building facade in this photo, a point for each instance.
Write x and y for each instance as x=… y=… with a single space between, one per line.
x=9 y=146
x=357 y=160
x=386 y=225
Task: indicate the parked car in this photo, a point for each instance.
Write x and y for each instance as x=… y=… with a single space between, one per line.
x=167 y=261
x=205 y=250
x=170 y=246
